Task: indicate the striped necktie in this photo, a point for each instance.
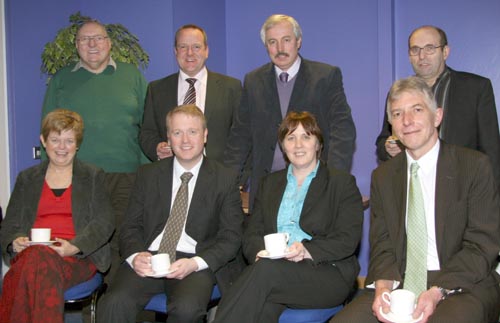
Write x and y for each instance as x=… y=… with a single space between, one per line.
x=190 y=97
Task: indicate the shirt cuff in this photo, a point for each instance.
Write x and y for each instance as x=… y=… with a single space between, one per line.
x=130 y=259
x=202 y=265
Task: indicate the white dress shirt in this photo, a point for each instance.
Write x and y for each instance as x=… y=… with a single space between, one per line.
x=200 y=86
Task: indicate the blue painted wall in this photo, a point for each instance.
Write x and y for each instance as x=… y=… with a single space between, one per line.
x=367 y=39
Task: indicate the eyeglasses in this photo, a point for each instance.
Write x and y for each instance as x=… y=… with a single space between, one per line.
x=184 y=48
x=428 y=50
x=86 y=39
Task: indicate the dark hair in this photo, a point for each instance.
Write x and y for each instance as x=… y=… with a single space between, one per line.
x=191 y=26
x=442 y=35
x=295 y=118
x=60 y=120
x=188 y=109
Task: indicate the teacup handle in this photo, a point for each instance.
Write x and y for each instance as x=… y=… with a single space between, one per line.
x=386 y=297
x=287 y=236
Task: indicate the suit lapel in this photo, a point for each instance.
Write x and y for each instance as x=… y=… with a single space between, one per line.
x=212 y=97
x=399 y=194
x=164 y=186
x=271 y=94
x=316 y=189
x=446 y=175
x=300 y=83
x=199 y=199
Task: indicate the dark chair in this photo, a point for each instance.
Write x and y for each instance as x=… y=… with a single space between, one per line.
x=84 y=292
x=158 y=303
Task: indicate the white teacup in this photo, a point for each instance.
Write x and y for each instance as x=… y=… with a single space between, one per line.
x=401 y=302
x=276 y=243
x=40 y=234
x=160 y=262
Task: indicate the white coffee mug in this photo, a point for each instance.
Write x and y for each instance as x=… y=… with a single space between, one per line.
x=160 y=262
x=401 y=302
x=276 y=243
x=40 y=234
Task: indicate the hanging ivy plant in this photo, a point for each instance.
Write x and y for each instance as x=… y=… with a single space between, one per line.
x=62 y=51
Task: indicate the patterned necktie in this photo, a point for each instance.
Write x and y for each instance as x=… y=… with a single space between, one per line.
x=190 y=97
x=176 y=220
x=416 y=233
x=284 y=77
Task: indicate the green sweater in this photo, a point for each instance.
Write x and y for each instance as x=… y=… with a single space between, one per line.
x=111 y=104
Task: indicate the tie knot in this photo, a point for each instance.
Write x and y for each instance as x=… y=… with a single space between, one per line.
x=186 y=177
x=191 y=81
x=414 y=168
x=284 y=77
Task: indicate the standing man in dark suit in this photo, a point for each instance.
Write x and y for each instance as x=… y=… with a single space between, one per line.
x=210 y=239
x=288 y=83
x=215 y=94
x=460 y=207
x=470 y=115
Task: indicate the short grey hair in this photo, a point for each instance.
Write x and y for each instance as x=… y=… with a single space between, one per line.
x=276 y=19
x=412 y=84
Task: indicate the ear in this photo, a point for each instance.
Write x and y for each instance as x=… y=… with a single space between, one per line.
x=299 y=43
x=446 y=52
x=205 y=136
x=438 y=117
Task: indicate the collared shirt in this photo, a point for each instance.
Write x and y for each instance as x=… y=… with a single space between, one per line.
x=186 y=243
x=427 y=177
x=292 y=71
x=200 y=86
x=291 y=206
x=80 y=64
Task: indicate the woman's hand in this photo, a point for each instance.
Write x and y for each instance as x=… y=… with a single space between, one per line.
x=20 y=243
x=64 y=248
x=297 y=252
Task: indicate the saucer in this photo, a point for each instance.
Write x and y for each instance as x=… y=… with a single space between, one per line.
x=395 y=319
x=265 y=254
x=44 y=243
x=160 y=274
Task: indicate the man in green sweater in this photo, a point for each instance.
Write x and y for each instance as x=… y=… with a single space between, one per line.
x=109 y=96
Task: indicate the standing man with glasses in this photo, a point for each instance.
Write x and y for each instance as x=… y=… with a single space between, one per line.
x=215 y=94
x=288 y=83
x=109 y=96
x=467 y=100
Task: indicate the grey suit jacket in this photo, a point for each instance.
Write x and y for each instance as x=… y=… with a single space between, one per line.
x=222 y=99
x=214 y=217
x=318 y=89
x=332 y=215
x=92 y=213
x=470 y=119
x=466 y=215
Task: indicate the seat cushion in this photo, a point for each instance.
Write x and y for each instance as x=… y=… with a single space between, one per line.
x=291 y=315
x=158 y=303
x=84 y=289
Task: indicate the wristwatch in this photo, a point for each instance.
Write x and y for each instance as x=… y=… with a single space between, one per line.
x=445 y=293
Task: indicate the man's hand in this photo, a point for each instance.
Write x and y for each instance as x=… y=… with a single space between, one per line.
x=427 y=302
x=392 y=146
x=182 y=268
x=142 y=263
x=163 y=150
x=381 y=286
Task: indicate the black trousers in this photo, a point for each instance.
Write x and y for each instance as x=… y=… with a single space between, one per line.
x=187 y=299
x=266 y=288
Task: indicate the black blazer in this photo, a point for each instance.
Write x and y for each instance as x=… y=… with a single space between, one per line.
x=92 y=213
x=318 y=89
x=470 y=119
x=214 y=217
x=466 y=215
x=222 y=99
x=332 y=215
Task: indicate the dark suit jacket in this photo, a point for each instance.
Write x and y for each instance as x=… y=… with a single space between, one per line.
x=92 y=213
x=332 y=215
x=214 y=218
x=318 y=89
x=466 y=215
x=222 y=99
x=470 y=119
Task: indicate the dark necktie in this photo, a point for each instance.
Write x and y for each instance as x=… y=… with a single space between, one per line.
x=190 y=97
x=416 y=236
x=176 y=220
x=284 y=77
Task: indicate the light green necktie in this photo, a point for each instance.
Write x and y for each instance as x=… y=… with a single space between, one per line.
x=416 y=234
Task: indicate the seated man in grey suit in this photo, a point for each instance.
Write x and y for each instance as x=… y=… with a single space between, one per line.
x=215 y=94
x=208 y=236
x=434 y=225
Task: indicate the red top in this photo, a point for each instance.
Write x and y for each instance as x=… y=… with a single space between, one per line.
x=55 y=212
